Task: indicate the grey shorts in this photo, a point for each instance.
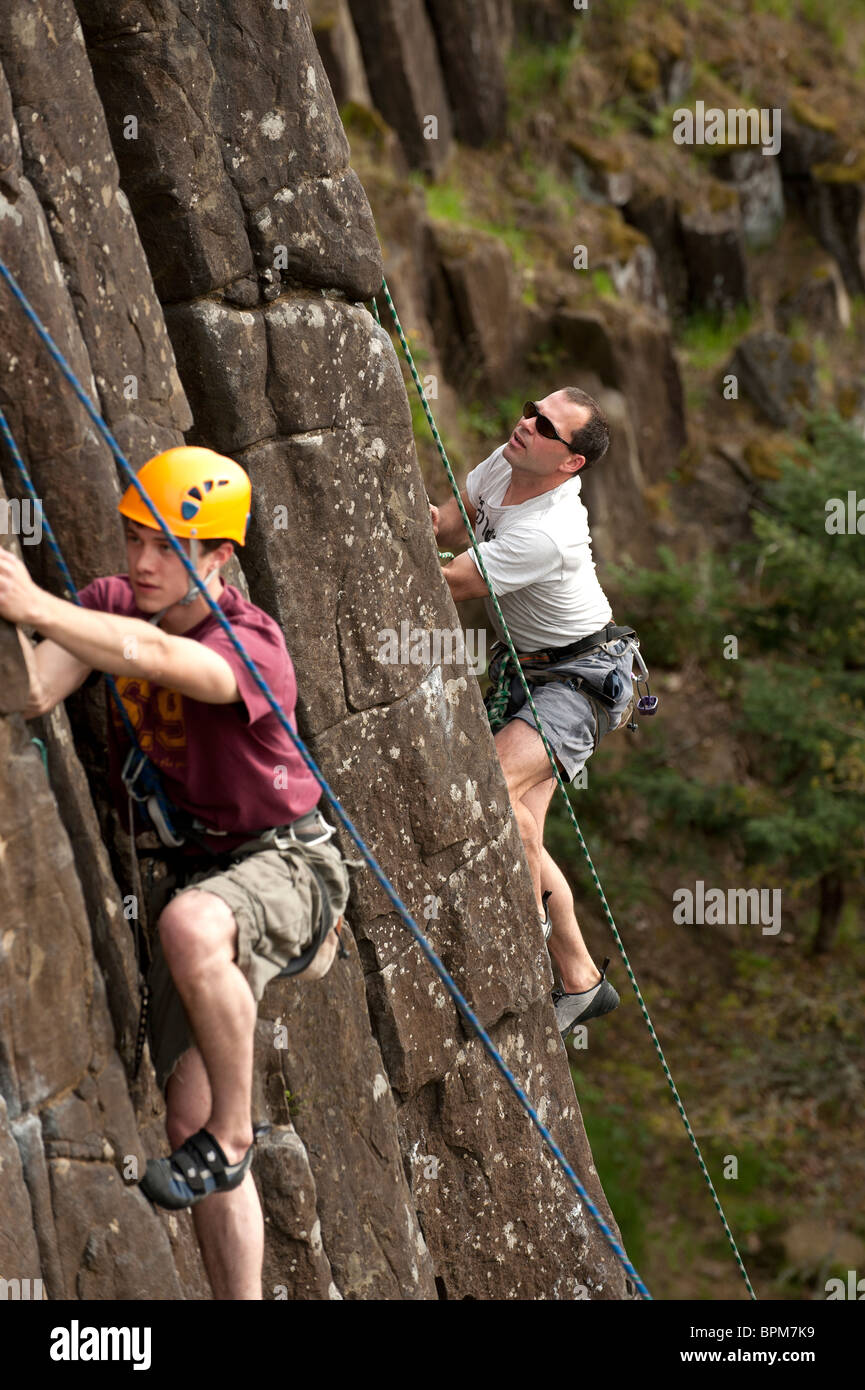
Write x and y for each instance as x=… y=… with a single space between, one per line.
x=568 y=716
x=276 y=902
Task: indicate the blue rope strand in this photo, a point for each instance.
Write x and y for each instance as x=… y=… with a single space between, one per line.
x=55 y=550
x=451 y=986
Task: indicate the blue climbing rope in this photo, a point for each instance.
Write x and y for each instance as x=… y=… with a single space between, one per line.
x=437 y=965
x=27 y=483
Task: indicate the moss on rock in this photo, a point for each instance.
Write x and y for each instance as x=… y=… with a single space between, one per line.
x=764 y=453
x=849 y=170
x=808 y=115
x=644 y=73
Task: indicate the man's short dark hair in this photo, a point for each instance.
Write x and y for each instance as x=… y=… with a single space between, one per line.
x=213 y=544
x=592 y=439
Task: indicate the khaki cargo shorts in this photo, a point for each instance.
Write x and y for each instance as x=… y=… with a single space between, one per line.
x=276 y=902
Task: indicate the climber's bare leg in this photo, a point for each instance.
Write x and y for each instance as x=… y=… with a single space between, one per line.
x=199 y=938
x=526 y=767
x=525 y=764
x=198 y=933
x=229 y=1225
x=576 y=968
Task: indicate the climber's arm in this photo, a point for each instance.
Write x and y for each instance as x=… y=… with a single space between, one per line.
x=117 y=645
x=54 y=674
x=464 y=578
x=448 y=525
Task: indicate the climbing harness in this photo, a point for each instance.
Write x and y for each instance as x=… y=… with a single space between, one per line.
x=649 y=708
x=545 y=666
x=429 y=954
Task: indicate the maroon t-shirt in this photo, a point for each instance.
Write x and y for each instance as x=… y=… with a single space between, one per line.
x=233 y=766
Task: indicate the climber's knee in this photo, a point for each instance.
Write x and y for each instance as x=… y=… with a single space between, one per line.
x=523 y=758
x=530 y=832
x=197 y=931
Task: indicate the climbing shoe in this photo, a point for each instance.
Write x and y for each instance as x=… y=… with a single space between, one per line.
x=193 y=1171
x=590 y=1003
x=545 y=920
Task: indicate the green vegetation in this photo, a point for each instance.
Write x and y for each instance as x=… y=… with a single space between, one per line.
x=621 y=1160
x=830 y=18
x=603 y=285
x=538 y=71
x=708 y=338
x=446 y=201
x=493 y=420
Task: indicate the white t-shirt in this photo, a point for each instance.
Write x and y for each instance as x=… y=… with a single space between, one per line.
x=538 y=555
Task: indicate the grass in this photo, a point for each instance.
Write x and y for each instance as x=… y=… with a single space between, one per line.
x=603 y=285
x=708 y=338
x=446 y=202
x=549 y=190
x=829 y=18
x=538 y=71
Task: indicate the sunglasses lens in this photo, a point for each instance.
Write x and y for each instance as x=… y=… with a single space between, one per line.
x=543 y=426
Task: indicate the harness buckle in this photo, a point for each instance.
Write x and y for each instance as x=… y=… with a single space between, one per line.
x=285 y=834
x=130 y=776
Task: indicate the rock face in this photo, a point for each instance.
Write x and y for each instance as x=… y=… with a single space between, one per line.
x=405 y=77
x=469 y=40
x=777 y=375
x=397 y=1166
x=714 y=251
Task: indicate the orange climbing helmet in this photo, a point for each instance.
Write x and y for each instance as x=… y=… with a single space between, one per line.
x=197 y=492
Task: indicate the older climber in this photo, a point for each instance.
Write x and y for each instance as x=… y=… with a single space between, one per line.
x=239 y=904
x=533 y=534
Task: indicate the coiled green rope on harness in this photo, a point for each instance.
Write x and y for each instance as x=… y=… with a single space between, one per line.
x=498 y=695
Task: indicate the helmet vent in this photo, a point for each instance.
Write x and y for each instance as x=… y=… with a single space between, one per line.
x=188 y=508
x=223 y=482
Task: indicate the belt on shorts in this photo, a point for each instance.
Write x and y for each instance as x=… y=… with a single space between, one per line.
x=550 y=655
x=309 y=829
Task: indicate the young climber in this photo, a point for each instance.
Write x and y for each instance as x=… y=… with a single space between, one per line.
x=250 y=901
x=533 y=534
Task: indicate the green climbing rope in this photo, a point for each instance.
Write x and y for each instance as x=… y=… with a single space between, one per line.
x=514 y=659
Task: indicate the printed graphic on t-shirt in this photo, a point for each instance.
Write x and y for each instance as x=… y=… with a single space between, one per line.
x=163 y=737
x=482 y=525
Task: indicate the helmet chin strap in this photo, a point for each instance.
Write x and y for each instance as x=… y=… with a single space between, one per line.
x=194 y=587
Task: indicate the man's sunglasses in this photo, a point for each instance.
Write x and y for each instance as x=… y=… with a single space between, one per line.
x=544 y=425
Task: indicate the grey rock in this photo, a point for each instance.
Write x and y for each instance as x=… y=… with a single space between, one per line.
x=336 y=41
x=778 y=376
x=758 y=182
x=714 y=252
x=405 y=77
x=470 y=44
